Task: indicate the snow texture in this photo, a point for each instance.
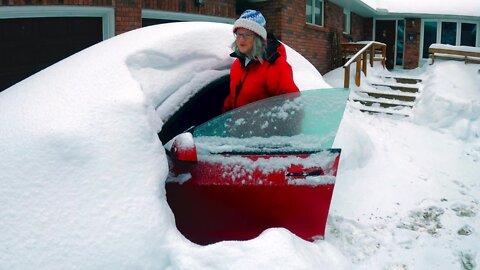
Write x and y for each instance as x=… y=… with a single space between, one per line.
x=82 y=170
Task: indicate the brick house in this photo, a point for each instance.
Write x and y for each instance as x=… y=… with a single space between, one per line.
x=37 y=33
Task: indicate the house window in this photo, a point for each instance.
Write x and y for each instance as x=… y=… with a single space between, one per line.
x=452 y=33
x=468 y=34
x=400 y=42
x=346 y=21
x=314 y=12
x=429 y=36
x=449 y=33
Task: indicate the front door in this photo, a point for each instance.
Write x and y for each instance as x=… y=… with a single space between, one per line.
x=385 y=33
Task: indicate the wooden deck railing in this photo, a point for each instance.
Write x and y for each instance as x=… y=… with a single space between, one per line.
x=466 y=53
x=363 y=51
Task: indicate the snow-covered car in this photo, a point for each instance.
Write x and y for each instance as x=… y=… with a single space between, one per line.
x=81 y=163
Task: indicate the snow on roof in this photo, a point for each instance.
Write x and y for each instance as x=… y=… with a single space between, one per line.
x=434 y=7
x=455 y=48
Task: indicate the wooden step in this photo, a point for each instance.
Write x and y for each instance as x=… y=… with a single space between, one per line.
x=403 y=88
x=388 y=102
x=382 y=104
x=383 y=112
x=392 y=94
x=403 y=112
x=406 y=80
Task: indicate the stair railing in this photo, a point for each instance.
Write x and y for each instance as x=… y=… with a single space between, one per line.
x=372 y=48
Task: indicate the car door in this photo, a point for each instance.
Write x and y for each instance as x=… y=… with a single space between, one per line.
x=264 y=165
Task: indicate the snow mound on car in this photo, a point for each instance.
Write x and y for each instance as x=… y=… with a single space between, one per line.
x=81 y=166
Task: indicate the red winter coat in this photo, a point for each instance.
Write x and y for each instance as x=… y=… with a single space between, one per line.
x=260 y=80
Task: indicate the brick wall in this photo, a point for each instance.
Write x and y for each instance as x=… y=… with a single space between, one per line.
x=128 y=15
x=220 y=8
x=286 y=18
x=360 y=28
x=412 y=49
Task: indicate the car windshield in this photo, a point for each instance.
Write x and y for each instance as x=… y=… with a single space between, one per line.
x=297 y=122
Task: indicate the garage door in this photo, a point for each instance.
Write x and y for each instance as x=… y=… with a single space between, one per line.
x=148 y=21
x=28 y=45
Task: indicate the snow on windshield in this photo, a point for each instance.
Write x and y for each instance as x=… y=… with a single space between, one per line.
x=291 y=122
x=276 y=116
x=274 y=144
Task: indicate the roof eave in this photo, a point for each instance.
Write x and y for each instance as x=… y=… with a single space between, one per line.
x=363 y=9
x=425 y=16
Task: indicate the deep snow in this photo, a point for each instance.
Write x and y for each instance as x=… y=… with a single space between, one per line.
x=407 y=193
x=82 y=171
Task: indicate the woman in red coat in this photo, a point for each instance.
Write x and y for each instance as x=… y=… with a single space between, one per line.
x=261 y=69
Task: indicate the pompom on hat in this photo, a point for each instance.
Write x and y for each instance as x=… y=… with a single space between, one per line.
x=252 y=20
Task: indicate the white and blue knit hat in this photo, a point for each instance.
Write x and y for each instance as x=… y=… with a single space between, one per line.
x=252 y=20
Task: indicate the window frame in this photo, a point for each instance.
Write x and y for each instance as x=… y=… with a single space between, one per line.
x=459 y=29
x=346 y=21
x=439 y=32
x=441 y=25
x=311 y=20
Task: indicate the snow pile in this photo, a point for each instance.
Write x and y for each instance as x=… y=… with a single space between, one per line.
x=451 y=103
x=406 y=195
x=82 y=170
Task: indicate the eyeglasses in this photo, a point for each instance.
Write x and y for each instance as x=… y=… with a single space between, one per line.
x=243 y=35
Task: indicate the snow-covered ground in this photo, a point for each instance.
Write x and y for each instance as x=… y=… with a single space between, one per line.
x=408 y=191
x=82 y=171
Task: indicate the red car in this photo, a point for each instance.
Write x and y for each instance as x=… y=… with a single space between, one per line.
x=267 y=164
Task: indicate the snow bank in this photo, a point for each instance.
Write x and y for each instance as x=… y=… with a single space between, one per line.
x=274 y=248
x=82 y=170
x=451 y=103
x=406 y=195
